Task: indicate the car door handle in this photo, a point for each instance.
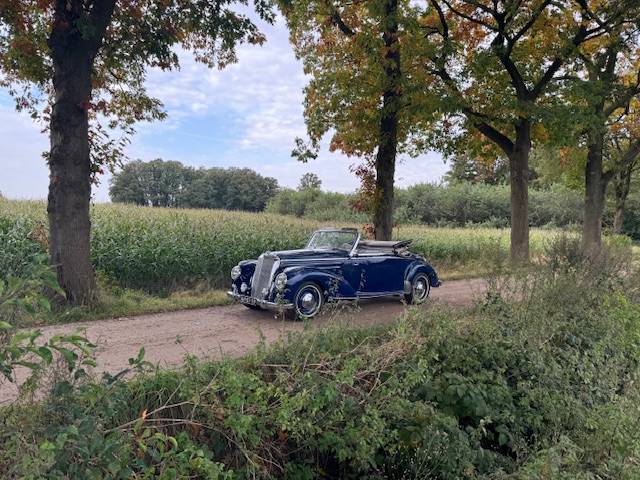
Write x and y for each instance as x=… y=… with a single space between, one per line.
x=356 y=264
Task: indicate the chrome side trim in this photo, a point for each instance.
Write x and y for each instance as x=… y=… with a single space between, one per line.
x=370 y=295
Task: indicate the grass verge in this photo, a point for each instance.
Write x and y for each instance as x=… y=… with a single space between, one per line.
x=134 y=302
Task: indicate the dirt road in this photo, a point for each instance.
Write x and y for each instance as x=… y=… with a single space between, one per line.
x=218 y=331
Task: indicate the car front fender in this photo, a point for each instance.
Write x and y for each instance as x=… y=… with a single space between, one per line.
x=332 y=283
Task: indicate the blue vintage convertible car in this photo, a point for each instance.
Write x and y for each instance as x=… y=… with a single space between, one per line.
x=336 y=264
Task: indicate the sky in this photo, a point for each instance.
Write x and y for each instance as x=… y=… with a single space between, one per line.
x=247 y=115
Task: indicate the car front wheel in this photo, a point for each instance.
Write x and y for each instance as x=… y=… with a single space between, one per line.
x=308 y=301
x=420 y=289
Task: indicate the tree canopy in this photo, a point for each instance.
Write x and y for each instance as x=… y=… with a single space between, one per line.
x=499 y=66
x=127 y=38
x=366 y=89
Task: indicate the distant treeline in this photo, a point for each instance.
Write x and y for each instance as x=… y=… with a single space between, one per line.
x=162 y=183
x=455 y=205
x=458 y=204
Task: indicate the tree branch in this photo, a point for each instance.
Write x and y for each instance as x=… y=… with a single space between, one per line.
x=578 y=38
x=100 y=15
x=497 y=137
x=337 y=21
x=469 y=17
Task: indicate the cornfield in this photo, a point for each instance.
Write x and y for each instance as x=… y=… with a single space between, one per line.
x=162 y=249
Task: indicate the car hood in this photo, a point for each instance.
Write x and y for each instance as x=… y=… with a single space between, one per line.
x=306 y=254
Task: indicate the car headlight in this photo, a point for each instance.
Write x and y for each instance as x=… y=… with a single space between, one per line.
x=281 y=281
x=235 y=272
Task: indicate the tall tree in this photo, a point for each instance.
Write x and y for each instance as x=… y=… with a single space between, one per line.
x=468 y=168
x=366 y=85
x=309 y=181
x=629 y=168
x=607 y=77
x=75 y=62
x=498 y=64
x=157 y=183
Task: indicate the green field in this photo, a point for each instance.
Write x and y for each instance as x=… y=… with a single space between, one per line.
x=155 y=249
x=162 y=250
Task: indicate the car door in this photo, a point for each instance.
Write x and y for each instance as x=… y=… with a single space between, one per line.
x=353 y=274
x=382 y=274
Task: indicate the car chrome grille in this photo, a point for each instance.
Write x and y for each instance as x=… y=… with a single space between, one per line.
x=263 y=276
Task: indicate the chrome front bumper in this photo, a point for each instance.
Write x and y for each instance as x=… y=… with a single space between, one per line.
x=246 y=299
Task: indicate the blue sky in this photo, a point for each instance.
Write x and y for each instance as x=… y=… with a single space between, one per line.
x=246 y=116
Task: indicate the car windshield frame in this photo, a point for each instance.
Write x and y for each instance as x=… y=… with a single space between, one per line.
x=312 y=243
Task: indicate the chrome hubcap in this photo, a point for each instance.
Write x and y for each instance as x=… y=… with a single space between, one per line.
x=308 y=301
x=420 y=288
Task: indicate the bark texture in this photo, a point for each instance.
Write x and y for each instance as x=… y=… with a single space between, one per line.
x=388 y=134
x=596 y=181
x=69 y=158
x=622 y=189
x=519 y=176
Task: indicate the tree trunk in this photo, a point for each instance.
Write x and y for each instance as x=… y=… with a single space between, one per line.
x=519 y=175
x=595 y=188
x=388 y=140
x=622 y=188
x=69 y=181
x=72 y=54
x=618 y=219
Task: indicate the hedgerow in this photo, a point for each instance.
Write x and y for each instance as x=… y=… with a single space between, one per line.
x=538 y=381
x=457 y=205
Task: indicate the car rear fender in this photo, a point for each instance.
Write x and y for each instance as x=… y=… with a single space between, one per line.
x=421 y=267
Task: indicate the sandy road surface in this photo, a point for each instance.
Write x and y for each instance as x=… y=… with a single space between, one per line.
x=218 y=331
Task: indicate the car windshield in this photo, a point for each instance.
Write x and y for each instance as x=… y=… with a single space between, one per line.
x=333 y=239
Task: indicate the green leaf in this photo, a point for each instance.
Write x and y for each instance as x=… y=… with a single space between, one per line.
x=6 y=326
x=44 y=304
x=45 y=354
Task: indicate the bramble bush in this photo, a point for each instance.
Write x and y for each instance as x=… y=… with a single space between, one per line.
x=538 y=381
x=26 y=294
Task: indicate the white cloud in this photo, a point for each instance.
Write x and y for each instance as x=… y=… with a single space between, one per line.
x=263 y=91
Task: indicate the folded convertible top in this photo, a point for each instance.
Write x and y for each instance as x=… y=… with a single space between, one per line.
x=392 y=244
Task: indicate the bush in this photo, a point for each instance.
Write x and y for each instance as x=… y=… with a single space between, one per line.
x=316 y=205
x=540 y=380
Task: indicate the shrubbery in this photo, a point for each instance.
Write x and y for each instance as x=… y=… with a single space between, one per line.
x=316 y=205
x=539 y=381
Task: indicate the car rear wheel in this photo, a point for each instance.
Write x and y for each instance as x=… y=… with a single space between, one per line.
x=308 y=301
x=420 y=289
